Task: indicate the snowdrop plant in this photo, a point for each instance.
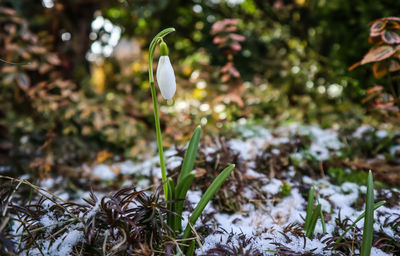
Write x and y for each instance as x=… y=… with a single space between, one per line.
x=176 y=194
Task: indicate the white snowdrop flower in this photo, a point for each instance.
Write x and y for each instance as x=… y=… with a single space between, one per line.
x=165 y=74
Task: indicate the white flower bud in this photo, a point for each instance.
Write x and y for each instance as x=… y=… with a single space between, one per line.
x=166 y=78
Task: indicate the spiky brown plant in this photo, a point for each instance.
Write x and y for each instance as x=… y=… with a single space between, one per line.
x=239 y=245
x=128 y=222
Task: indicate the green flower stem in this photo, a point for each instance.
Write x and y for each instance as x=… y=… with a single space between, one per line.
x=159 y=139
x=152 y=48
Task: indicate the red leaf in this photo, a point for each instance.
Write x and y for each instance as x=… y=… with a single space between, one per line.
x=379 y=69
x=225 y=78
x=377 y=27
x=375 y=89
x=230 y=29
x=226 y=67
x=392 y=18
x=231 y=21
x=236 y=47
x=378 y=53
x=391 y=37
x=219 y=40
x=221 y=25
x=376 y=39
x=394 y=66
x=236 y=98
x=234 y=72
x=355 y=65
x=237 y=37
x=376 y=33
x=8 y=11
x=393 y=25
x=217 y=27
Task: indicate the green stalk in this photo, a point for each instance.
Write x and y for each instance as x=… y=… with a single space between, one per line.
x=369 y=219
x=322 y=222
x=322 y=218
x=180 y=193
x=313 y=221
x=310 y=206
x=159 y=138
x=152 y=48
x=171 y=206
x=192 y=247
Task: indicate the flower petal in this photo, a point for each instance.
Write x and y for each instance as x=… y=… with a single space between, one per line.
x=166 y=78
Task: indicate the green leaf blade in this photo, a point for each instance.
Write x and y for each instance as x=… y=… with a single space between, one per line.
x=190 y=156
x=208 y=195
x=369 y=218
x=313 y=221
x=310 y=206
x=180 y=193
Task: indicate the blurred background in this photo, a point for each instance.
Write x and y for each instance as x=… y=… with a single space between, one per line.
x=83 y=93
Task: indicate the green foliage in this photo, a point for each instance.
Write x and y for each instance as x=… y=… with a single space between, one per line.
x=293 y=66
x=368 y=216
x=341 y=175
x=186 y=175
x=177 y=194
x=312 y=215
x=368 y=232
x=369 y=143
x=285 y=189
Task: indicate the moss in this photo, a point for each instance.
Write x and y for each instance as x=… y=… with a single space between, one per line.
x=285 y=189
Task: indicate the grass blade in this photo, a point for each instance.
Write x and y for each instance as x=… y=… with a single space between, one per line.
x=323 y=221
x=313 y=221
x=322 y=218
x=186 y=175
x=208 y=195
x=184 y=185
x=310 y=206
x=190 y=156
x=369 y=218
x=180 y=193
x=192 y=247
x=171 y=196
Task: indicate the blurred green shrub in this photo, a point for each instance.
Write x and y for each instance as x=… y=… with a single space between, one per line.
x=292 y=65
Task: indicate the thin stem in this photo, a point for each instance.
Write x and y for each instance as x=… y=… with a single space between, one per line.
x=152 y=47
x=159 y=138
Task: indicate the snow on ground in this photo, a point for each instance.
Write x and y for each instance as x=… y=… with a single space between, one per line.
x=63 y=245
x=267 y=224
